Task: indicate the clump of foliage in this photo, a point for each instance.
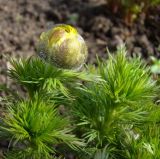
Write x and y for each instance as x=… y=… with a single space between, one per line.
x=109 y=111
x=36 y=75
x=117 y=106
x=130 y=9
x=35 y=127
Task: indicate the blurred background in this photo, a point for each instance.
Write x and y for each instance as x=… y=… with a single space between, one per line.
x=102 y=23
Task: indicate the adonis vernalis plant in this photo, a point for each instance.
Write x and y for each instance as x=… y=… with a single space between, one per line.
x=108 y=110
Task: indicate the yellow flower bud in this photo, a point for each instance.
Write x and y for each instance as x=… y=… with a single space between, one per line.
x=63 y=47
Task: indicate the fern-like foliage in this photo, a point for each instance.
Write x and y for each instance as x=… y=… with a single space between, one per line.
x=142 y=145
x=103 y=110
x=35 y=75
x=147 y=144
x=126 y=80
x=112 y=111
x=34 y=129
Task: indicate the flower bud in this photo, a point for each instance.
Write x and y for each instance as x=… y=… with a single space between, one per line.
x=63 y=47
